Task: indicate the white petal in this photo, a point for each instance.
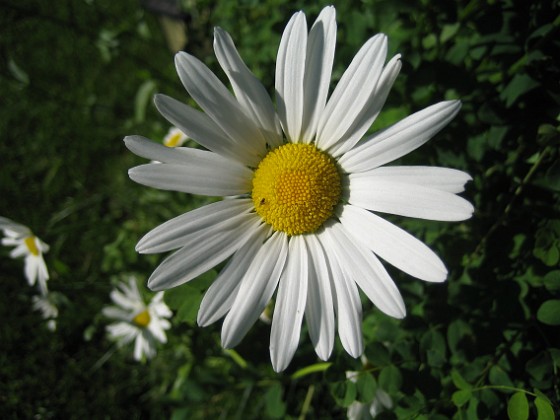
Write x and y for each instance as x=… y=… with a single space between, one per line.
x=290 y=305
x=115 y=313
x=257 y=287
x=393 y=244
x=15 y=228
x=411 y=200
x=173 y=234
x=444 y=179
x=318 y=68
x=138 y=347
x=219 y=104
x=290 y=70
x=369 y=274
x=201 y=128
x=30 y=269
x=400 y=138
x=319 y=310
x=203 y=252
x=220 y=296
x=349 y=307
x=203 y=173
x=371 y=109
x=143 y=147
x=352 y=92
x=250 y=92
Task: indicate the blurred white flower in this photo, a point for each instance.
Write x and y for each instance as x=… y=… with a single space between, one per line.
x=48 y=309
x=145 y=324
x=366 y=411
x=174 y=138
x=28 y=246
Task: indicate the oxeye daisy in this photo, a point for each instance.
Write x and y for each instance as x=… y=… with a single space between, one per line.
x=174 y=138
x=303 y=187
x=28 y=246
x=136 y=321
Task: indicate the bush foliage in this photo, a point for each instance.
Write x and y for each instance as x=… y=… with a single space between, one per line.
x=78 y=77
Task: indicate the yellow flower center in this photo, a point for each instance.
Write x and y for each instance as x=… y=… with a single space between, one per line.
x=31 y=245
x=174 y=139
x=296 y=188
x=142 y=320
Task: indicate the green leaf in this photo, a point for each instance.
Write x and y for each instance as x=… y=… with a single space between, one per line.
x=366 y=387
x=498 y=376
x=518 y=407
x=275 y=407
x=185 y=299
x=458 y=380
x=544 y=409
x=377 y=354
x=344 y=393
x=448 y=31
x=390 y=379
x=519 y=85
x=552 y=280
x=308 y=370
x=549 y=312
x=461 y=397
x=433 y=344
x=236 y=357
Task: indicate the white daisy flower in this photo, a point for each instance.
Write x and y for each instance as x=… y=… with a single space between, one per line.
x=48 y=309
x=136 y=321
x=174 y=138
x=30 y=247
x=303 y=187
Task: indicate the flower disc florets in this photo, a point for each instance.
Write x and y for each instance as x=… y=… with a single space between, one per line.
x=296 y=188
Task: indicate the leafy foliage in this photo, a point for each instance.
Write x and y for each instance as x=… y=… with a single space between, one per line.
x=78 y=77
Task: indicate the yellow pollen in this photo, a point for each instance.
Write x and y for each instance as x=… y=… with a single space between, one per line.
x=31 y=245
x=142 y=320
x=296 y=188
x=173 y=140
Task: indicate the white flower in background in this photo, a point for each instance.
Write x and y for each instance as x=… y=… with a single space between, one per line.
x=48 y=309
x=302 y=186
x=28 y=246
x=174 y=138
x=360 y=411
x=136 y=321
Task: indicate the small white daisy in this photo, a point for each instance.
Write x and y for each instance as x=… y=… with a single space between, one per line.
x=30 y=247
x=174 y=138
x=303 y=187
x=48 y=309
x=145 y=324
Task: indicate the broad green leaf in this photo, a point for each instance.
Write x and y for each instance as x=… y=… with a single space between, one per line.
x=498 y=376
x=390 y=379
x=344 y=393
x=308 y=370
x=549 y=312
x=544 y=409
x=518 y=407
x=519 y=85
x=552 y=280
x=275 y=407
x=461 y=397
x=459 y=382
x=366 y=387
